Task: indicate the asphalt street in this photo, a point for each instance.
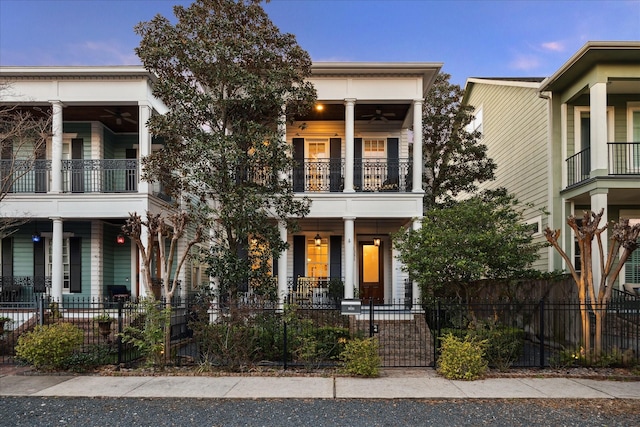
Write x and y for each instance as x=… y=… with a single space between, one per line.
x=59 y=411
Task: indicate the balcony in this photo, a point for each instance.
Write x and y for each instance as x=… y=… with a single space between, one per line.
x=368 y=176
x=623 y=160
x=27 y=176
x=100 y=176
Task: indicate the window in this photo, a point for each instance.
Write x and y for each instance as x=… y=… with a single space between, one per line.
x=476 y=124
x=318 y=259
x=536 y=226
x=633 y=136
x=66 y=264
x=374 y=148
x=318 y=155
x=632 y=266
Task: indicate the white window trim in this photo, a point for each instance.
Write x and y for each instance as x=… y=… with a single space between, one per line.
x=632 y=107
x=628 y=214
x=577 y=133
x=536 y=220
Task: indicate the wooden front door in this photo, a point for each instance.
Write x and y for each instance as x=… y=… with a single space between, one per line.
x=371 y=278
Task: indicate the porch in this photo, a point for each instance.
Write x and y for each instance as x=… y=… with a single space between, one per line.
x=623 y=160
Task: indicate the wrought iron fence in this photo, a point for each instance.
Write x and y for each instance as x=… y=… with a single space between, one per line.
x=243 y=332
x=100 y=176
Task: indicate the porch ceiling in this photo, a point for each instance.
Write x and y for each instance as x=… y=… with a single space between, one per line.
x=118 y=118
x=335 y=112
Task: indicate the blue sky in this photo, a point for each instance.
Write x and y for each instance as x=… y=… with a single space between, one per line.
x=472 y=38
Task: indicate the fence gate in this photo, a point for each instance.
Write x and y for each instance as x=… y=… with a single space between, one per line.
x=403 y=335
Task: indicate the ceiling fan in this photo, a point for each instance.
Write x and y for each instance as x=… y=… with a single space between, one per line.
x=119 y=116
x=379 y=115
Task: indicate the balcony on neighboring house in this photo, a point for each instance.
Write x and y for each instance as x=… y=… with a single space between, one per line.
x=78 y=176
x=369 y=175
x=623 y=160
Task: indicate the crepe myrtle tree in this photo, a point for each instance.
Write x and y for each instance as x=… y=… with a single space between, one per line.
x=23 y=138
x=623 y=242
x=455 y=159
x=480 y=237
x=231 y=81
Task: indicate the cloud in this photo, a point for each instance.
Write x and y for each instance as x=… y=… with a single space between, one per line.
x=525 y=62
x=553 y=46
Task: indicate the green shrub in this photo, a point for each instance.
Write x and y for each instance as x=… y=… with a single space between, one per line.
x=504 y=345
x=49 y=346
x=462 y=359
x=360 y=357
x=147 y=331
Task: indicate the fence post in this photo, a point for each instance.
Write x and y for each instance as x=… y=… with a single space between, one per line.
x=41 y=310
x=118 y=336
x=284 y=345
x=436 y=342
x=542 y=333
x=371 y=328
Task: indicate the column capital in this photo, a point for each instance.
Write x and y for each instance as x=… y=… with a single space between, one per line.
x=418 y=101
x=56 y=102
x=349 y=218
x=349 y=101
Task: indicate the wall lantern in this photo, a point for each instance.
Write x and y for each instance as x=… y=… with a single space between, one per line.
x=318 y=239
x=35 y=237
x=120 y=239
x=376 y=241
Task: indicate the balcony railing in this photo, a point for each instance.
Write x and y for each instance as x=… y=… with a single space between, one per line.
x=368 y=175
x=23 y=288
x=26 y=176
x=100 y=176
x=623 y=159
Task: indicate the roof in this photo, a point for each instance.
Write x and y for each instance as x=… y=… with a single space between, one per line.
x=591 y=54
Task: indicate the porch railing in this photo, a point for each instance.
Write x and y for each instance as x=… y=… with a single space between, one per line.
x=624 y=158
x=100 y=176
x=23 y=288
x=368 y=175
x=579 y=167
x=26 y=176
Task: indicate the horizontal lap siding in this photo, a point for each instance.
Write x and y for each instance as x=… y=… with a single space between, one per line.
x=515 y=132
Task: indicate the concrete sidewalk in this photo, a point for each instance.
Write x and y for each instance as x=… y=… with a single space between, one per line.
x=419 y=384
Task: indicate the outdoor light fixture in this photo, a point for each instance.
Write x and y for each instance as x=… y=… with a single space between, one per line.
x=120 y=239
x=376 y=240
x=35 y=237
x=318 y=239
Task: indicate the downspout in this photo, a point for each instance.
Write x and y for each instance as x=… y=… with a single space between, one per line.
x=550 y=251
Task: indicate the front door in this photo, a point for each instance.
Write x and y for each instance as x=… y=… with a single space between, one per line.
x=371 y=278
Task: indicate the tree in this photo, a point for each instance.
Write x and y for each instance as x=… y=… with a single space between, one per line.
x=623 y=236
x=230 y=80
x=23 y=137
x=455 y=160
x=481 y=237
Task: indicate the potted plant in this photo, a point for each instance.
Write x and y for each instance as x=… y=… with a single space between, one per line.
x=104 y=323
x=3 y=321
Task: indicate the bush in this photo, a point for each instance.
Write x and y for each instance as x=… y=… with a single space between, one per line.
x=361 y=357
x=504 y=345
x=147 y=331
x=49 y=347
x=462 y=359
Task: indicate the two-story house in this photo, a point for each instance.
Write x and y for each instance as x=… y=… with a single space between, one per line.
x=83 y=184
x=358 y=160
x=570 y=142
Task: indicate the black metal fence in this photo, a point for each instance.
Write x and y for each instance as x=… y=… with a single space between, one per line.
x=239 y=334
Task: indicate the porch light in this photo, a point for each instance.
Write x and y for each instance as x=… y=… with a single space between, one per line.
x=376 y=241
x=35 y=237
x=319 y=107
x=318 y=239
x=120 y=239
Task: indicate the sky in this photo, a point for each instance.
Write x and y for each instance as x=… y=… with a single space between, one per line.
x=472 y=38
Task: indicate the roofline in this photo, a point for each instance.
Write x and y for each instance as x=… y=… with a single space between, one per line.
x=497 y=81
x=589 y=46
x=65 y=71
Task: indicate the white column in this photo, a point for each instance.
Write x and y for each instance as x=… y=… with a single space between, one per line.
x=599 y=201
x=282 y=265
x=97 y=259
x=417 y=295
x=144 y=136
x=57 y=273
x=417 y=146
x=142 y=291
x=56 y=147
x=349 y=122
x=349 y=256
x=598 y=120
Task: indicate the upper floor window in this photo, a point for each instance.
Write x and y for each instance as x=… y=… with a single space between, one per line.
x=374 y=148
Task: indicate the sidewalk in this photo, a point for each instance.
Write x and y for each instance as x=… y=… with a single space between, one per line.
x=412 y=384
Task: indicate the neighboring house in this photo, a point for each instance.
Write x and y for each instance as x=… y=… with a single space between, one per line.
x=86 y=182
x=358 y=159
x=513 y=118
x=590 y=157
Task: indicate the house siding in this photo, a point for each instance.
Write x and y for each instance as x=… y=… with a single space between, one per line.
x=515 y=131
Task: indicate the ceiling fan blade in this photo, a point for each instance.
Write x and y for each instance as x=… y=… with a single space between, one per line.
x=113 y=113
x=130 y=120
x=118 y=121
x=125 y=114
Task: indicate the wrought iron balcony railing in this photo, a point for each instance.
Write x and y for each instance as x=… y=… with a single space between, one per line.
x=623 y=159
x=25 y=176
x=100 y=176
x=368 y=175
